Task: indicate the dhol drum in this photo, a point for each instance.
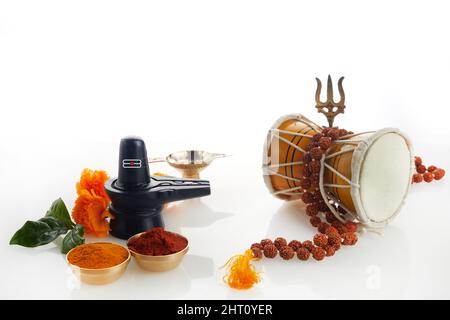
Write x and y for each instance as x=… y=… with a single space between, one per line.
x=364 y=177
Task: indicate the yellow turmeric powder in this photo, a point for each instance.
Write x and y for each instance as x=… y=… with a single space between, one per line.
x=98 y=255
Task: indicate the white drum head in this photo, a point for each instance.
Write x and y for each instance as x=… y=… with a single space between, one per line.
x=382 y=168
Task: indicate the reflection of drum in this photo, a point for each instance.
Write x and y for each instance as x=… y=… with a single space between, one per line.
x=367 y=174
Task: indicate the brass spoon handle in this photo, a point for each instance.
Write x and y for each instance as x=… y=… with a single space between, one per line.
x=219 y=155
x=155 y=160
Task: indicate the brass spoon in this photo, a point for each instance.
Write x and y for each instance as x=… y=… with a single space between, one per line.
x=189 y=162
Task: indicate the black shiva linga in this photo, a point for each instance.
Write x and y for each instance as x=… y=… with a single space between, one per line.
x=137 y=198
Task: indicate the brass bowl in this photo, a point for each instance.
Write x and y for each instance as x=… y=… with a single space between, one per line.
x=100 y=276
x=158 y=263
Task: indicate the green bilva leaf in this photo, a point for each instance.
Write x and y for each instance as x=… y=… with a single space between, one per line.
x=58 y=210
x=38 y=233
x=73 y=238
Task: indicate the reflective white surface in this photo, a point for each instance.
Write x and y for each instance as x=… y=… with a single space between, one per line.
x=409 y=260
x=76 y=77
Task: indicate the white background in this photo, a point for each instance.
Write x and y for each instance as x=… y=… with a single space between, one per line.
x=76 y=76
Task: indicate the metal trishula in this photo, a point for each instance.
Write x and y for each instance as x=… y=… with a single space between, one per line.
x=330 y=108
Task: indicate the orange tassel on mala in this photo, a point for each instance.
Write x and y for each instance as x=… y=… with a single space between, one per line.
x=241 y=273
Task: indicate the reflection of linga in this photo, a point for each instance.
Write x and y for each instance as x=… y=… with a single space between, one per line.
x=353 y=181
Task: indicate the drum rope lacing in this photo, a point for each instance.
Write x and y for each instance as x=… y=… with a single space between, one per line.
x=269 y=168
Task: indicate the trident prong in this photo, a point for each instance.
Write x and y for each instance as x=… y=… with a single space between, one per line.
x=330 y=108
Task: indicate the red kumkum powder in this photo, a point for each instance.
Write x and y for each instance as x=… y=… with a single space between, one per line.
x=157 y=242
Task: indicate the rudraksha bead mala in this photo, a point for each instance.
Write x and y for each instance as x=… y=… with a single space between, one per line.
x=332 y=233
x=286 y=252
x=303 y=254
x=280 y=242
x=295 y=245
x=270 y=251
x=426 y=174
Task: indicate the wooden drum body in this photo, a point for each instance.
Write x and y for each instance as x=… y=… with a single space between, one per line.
x=282 y=158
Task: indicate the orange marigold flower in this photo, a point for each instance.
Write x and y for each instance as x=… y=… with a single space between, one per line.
x=93 y=181
x=91 y=206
